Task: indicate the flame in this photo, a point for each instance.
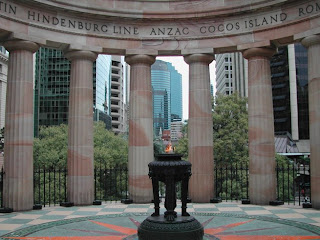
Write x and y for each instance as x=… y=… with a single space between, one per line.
x=169 y=148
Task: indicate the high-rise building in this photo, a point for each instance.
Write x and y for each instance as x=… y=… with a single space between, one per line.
x=289 y=75
x=102 y=89
x=176 y=93
x=176 y=130
x=52 y=80
x=118 y=101
x=231 y=74
x=167 y=95
x=3 y=83
x=301 y=63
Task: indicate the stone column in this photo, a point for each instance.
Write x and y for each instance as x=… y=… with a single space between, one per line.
x=18 y=148
x=140 y=127
x=200 y=127
x=80 y=128
x=313 y=45
x=262 y=176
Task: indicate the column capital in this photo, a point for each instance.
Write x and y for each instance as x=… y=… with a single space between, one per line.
x=140 y=58
x=259 y=52
x=199 y=57
x=87 y=55
x=310 y=40
x=14 y=45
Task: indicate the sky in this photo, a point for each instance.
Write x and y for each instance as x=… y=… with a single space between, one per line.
x=182 y=67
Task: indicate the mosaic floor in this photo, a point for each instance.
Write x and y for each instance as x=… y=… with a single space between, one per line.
x=116 y=221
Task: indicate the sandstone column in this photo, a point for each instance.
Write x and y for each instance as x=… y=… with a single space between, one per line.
x=201 y=186
x=18 y=158
x=140 y=127
x=262 y=176
x=313 y=45
x=80 y=128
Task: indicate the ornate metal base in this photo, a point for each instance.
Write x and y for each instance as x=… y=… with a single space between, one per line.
x=182 y=228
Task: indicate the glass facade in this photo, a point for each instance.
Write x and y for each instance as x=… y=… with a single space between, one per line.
x=160 y=80
x=176 y=93
x=167 y=95
x=101 y=89
x=52 y=80
x=281 y=91
x=301 y=54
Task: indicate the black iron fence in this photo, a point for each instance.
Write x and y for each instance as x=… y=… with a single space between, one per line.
x=293 y=183
x=231 y=183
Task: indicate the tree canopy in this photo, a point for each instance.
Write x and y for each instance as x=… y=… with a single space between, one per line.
x=230 y=129
x=50 y=149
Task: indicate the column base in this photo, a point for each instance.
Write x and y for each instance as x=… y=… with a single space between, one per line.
x=126 y=201
x=216 y=200
x=182 y=228
x=6 y=210
x=276 y=203
x=67 y=204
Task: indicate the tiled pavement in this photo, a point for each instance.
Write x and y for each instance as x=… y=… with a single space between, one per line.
x=17 y=220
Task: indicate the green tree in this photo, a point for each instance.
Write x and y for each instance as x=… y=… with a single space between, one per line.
x=230 y=129
x=182 y=147
x=50 y=149
x=158 y=146
x=285 y=178
x=110 y=150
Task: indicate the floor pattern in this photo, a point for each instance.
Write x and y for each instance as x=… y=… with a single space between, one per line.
x=119 y=221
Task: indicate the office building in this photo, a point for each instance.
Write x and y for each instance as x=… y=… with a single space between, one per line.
x=176 y=93
x=176 y=130
x=117 y=98
x=167 y=95
x=231 y=74
x=3 y=83
x=289 y=76
x=52 y=80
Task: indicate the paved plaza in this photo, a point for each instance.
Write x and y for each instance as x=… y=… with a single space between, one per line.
x=115 y=221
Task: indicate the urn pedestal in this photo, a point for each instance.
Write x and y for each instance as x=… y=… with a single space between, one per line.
x=170 y=169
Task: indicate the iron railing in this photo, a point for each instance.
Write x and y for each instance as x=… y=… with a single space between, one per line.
x=232 y=182
x=111 y=184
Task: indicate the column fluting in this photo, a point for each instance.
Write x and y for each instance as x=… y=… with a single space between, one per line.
x=200 y=127
x=18 y=147
x=140 y=127
x=313 y=45
x=262 y=176
x=80 y=182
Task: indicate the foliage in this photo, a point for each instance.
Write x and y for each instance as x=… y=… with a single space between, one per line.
x=109 y=149
x=158 y=147
x=285 y=178
x=182 y=147
x=50 y=149
x=230 y=130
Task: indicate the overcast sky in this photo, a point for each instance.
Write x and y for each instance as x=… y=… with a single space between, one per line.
x=182 y=67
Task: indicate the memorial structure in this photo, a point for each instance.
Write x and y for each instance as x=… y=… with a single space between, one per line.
x=142 y=30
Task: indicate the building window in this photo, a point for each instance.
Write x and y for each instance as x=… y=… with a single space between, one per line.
x=227 y=75
x=226 y=67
